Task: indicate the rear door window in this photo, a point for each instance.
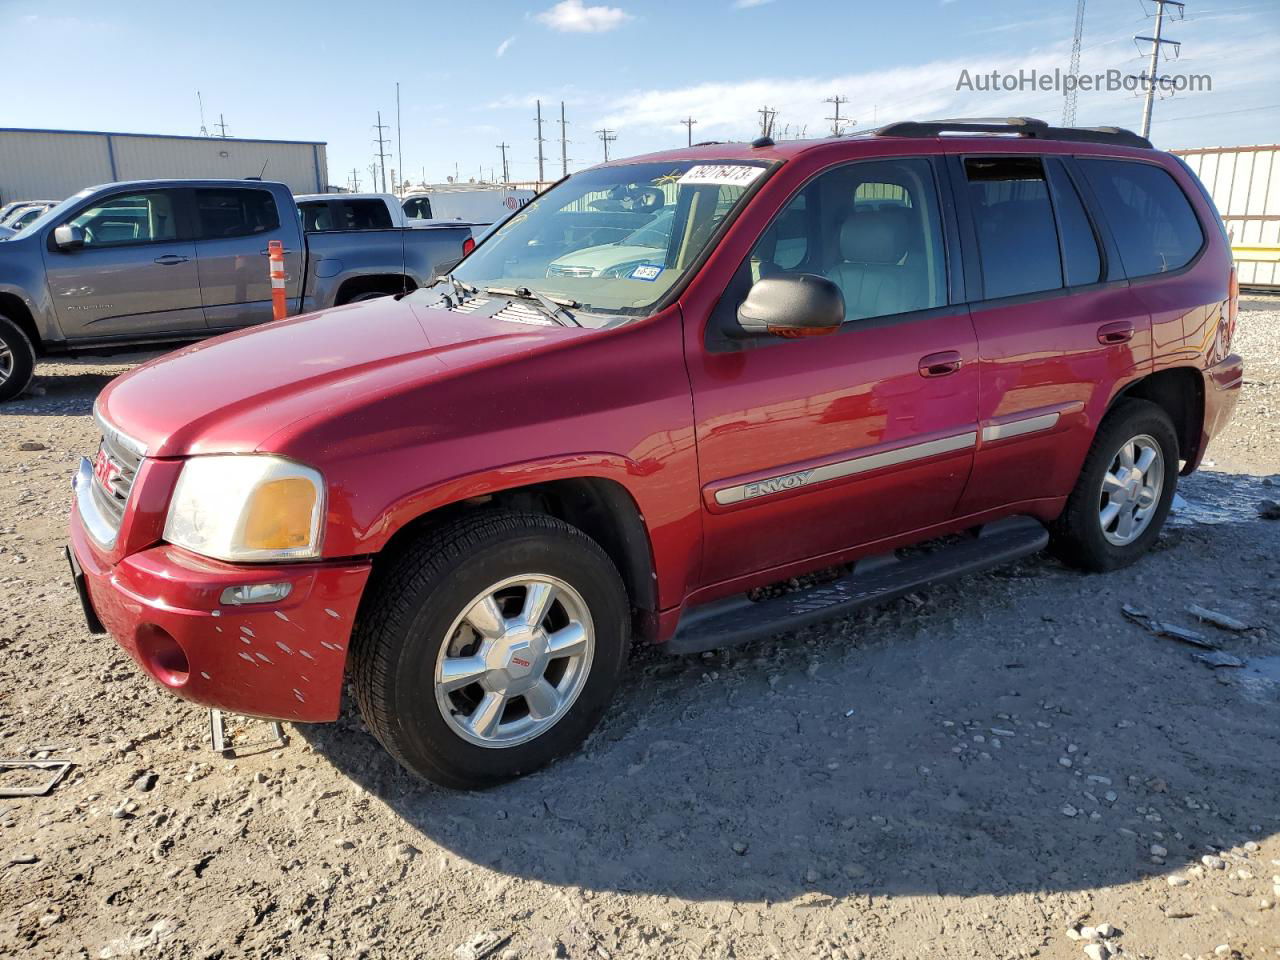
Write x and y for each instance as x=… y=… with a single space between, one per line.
x=362 y=215
x=1013 y=216
x=234 y=212
x=1153 y=222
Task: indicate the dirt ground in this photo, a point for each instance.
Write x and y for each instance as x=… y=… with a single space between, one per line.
x=969 y=772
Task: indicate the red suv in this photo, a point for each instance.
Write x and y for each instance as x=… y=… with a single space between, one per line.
x=665 y=382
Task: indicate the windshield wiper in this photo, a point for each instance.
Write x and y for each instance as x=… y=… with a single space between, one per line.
x=553 y=307
x=456 y=288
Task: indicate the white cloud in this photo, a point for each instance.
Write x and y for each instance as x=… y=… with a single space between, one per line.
x=748 y=4
x=570 y=16
x=504 y=46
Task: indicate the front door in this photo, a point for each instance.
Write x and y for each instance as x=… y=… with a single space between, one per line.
x=235 y=225
x=136 y=274
x=809 y=447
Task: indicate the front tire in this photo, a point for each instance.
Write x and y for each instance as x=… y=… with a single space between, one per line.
x=1124 y=491
x=17 y=360
x=490 y=647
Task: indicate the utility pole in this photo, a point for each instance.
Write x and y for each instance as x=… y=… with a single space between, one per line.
x=689 y=122
x=836 y=120
x=506 y=178
x=564 y=143
x=399 y=141
x=538 y=119
x=607 y=137
x=222 y=126
x=1154 y=66
x=382 y=154
x=1073 y=70
x=355 y=181
x=373 y=175
x=767 y=116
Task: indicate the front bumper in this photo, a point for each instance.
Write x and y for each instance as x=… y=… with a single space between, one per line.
x=282 y=660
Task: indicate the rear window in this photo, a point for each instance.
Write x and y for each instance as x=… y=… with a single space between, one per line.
x=1149 y=215
x=235 y=212
x=362 y=215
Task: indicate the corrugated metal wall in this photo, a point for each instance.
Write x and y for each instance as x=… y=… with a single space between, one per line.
x=51 y=165
x=1245 y=185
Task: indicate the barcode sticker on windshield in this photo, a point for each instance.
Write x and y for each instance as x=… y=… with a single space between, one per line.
x=721 y=174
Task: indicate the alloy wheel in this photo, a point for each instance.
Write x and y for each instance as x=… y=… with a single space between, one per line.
x=1131 y=490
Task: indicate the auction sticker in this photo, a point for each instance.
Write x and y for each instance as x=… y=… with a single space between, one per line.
x=646 y=271
x=722 y=174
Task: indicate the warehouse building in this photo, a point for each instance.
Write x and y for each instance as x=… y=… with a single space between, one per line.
x=54 y=164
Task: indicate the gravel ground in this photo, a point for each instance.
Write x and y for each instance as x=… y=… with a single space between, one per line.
x=1000 y=767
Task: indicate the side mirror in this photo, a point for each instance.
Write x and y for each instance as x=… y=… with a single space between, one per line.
x=800 y=305
x=68 y=237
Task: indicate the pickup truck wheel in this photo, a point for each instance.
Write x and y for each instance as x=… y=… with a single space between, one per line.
x=1124 y=492
x=490 y=647
x=17 y=359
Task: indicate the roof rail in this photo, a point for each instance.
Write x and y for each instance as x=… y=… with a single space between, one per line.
x=1017 y=126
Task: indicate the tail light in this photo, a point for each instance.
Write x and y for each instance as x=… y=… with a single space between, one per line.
x=469 y=244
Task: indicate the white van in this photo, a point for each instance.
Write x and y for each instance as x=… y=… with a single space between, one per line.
x=474 y=203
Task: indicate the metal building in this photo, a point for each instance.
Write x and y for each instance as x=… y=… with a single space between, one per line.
x=53 y=164
x=1245 y=185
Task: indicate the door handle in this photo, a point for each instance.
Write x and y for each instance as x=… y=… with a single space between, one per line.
x=940 y=364
x=267 y=253
x=171 y=259
x=1121 y=331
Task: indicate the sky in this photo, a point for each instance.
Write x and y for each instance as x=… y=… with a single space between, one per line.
x=470 y=73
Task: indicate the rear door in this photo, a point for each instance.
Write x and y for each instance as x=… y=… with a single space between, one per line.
x=234 y=225
x=1058 y=325
x=136 y=274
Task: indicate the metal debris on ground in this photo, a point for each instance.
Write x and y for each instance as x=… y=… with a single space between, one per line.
x=1216 y=658
x=218 y=734
x=1216 y=618
x=1171 y=630
x=59 y=768
x=480 y=945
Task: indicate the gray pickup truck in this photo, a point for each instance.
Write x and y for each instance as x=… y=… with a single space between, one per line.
x=128 y=264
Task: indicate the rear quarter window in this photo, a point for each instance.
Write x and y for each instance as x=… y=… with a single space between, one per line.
x=1150 y=217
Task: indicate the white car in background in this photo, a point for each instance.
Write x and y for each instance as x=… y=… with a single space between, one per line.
x=641 y=249
x=477 y=204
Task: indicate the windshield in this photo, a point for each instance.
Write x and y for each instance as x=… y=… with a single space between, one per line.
x=613 y=239
x=54 y=212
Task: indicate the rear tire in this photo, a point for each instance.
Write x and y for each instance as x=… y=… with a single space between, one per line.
x=448 y=698
x=1124 y=491
x=17 y=359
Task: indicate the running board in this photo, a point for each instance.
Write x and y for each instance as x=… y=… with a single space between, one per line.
x=875 y=579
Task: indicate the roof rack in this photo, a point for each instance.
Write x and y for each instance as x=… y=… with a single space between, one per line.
x=1018 y=126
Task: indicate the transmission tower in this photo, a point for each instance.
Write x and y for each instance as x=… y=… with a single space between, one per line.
x=836 y=120
x=607 y=137
x=1073 y=71
x=1153 y=70
x=689 y=122
x=381 y=155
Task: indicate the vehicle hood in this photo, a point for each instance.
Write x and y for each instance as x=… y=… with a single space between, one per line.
x=232 y=393
x=601 y=258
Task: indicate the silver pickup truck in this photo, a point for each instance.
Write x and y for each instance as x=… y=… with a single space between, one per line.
x=156 y=261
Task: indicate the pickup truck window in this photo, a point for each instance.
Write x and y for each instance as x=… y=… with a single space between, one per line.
x=235 y=212
x=362 y=215
x=614 y=239
x=129 y=218
x=418 y=207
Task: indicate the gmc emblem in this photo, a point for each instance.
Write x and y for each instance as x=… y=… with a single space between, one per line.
x=105 y=470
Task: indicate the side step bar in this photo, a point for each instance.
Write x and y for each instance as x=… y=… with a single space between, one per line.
x=873 y=580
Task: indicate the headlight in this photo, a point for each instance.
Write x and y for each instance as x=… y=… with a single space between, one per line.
x=247 y=508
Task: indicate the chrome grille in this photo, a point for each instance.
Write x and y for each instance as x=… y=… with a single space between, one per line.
x=115 y=468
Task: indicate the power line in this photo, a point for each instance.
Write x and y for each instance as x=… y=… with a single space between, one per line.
x=836 y=100
x=564 y=143
x=689 y=122
x=1153 y=70
x=506 y=174
x=541 y=177
x=607 y=137
x=381 y=155
x=1073 y=71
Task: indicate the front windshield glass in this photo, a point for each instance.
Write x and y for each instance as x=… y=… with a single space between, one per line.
x=54 y=212
x=613 y=239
